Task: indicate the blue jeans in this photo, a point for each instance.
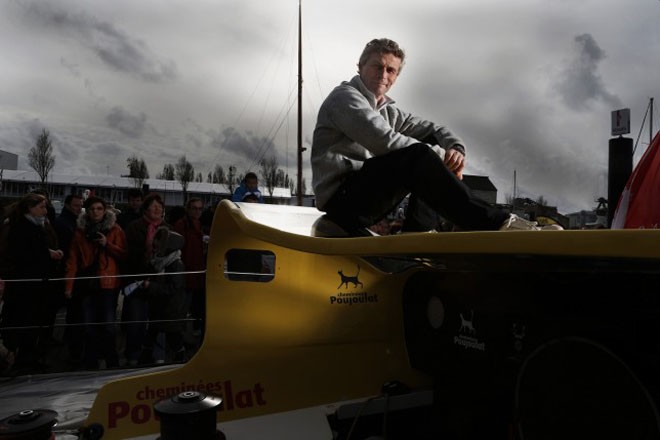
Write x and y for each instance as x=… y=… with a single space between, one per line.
x=100 y=340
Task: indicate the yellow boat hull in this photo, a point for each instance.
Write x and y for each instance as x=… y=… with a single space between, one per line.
x=304 y=335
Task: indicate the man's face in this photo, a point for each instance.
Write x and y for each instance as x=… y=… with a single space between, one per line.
x=195 y=210
x=75 y=206
x=135 y=203
x=252 y=183
x=379 y=73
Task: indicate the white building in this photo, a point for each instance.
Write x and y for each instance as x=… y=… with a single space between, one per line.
x=16 y=183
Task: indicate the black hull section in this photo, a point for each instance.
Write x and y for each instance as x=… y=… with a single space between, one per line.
x=537 y=346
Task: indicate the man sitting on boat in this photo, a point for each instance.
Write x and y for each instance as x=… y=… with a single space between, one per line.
x=367 y=155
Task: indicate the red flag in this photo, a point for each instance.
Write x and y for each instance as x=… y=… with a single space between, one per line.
x=639 y=204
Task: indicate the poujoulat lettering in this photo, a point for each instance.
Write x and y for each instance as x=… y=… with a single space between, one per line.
x=353 y=298
x=143 y=412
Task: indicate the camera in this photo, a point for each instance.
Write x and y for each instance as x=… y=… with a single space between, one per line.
x=92 y=235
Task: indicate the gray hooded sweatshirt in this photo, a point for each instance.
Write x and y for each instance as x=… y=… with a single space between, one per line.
x=352 y=128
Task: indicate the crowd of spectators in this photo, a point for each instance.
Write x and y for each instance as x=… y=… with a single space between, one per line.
x=117 y=277
x=129 y=284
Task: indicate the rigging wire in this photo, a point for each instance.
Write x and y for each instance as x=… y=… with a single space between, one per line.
x=267 y=144
x=649 y=108
x=269 y=139
x=268 y=72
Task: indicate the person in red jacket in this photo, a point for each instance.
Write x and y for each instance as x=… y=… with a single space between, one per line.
x=193 y=256
x=97 y=249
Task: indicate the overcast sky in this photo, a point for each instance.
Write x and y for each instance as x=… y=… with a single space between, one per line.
x=528 y=84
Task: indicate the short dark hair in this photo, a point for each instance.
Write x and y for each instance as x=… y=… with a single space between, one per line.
x=193 y=200
x=382 y=46
x=94 y=199
x=153 y=197
x=68 y=199
x=251 y=175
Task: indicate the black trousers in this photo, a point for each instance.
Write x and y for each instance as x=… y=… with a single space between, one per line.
x=366 y=196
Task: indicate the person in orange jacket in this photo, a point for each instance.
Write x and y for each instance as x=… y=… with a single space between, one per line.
x=97 y=248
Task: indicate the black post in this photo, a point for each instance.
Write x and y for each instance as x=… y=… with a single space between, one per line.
x=189 y=415
x=620 y=169
x=31 y=424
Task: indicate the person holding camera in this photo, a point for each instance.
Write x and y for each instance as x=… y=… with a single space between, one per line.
x=97 y=249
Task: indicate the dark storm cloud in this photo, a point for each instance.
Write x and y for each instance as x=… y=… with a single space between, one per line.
x=114 y=47
x=129 y=124
x=245 y=145
x=580 y=84
x=70 y=152
x=110 y=150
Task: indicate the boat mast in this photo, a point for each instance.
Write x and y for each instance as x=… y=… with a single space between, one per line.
x=651 y=121
x=300 y=82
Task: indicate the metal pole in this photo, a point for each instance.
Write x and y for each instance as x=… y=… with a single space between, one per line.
x=651 y=122
x=300 y=82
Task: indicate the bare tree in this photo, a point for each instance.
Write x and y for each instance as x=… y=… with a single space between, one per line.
x=137 y=170
x=185 y=173
x=167 y=173
x=269 y=173
x=280 y=178
x=40 y=157
x=199 y=177
x=231 y=178
x=218 y=175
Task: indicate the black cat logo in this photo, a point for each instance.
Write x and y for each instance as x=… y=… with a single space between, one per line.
x=345 y=279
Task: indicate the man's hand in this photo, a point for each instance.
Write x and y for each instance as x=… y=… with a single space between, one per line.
x=455 y=161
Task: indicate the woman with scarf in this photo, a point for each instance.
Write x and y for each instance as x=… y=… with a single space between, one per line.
x=166 y=291
x=140 y=236
x=33 y=256
x=97 y=248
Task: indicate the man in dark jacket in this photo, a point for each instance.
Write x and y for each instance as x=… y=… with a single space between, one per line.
x=193 y=255
x=65 y=226
x=133 y=211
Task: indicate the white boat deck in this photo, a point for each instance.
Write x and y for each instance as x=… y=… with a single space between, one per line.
x=293 y=219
